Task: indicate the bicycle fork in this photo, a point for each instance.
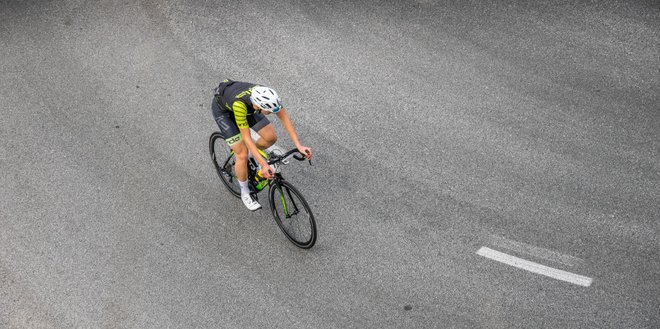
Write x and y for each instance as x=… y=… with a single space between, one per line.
x=284 y=202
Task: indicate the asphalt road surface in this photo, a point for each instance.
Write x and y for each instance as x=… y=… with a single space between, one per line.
x=478 y=164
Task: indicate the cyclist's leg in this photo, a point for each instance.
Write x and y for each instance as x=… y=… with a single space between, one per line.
x=264 y=128
x=232 y=136
x=241 y=152
x=268 y=137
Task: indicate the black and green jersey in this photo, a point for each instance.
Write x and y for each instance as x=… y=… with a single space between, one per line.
x=234 y=96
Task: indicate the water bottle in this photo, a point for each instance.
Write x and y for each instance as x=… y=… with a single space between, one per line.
x=261 y=180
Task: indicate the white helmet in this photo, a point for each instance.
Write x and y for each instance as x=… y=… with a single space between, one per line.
x=266 y=99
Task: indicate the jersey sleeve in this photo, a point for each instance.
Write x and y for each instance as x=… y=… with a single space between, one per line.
x=240 y=114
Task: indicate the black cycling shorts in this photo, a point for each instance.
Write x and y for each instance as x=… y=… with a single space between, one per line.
x=227 y=123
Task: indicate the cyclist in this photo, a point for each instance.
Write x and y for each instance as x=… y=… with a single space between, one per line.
x=237 y=107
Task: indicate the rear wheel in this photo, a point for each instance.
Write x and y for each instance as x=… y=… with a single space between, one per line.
x=292 y=214
x=224 y=160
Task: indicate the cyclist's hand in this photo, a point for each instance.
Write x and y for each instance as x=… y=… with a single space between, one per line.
x=305 y=151
x=267 y=171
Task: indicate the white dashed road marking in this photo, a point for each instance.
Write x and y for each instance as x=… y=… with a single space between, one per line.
x=520 y=248
x=534 y=267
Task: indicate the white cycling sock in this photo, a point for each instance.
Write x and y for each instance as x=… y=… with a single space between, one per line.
x=244 y=187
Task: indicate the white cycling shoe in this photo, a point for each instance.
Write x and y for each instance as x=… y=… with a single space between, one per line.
x=250 y=203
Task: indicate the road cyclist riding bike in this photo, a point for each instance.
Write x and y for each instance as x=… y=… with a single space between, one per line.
x=238 y=106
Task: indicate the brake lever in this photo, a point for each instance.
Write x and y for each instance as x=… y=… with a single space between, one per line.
x=309 y=160
x=301 y=158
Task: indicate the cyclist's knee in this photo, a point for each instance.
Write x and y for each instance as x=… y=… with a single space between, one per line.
x=243 y=157
x=270 y=140
x=241 y=152
x=267 y=136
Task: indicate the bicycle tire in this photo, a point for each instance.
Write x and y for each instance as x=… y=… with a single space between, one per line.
x=222 y=153
x=290 y=198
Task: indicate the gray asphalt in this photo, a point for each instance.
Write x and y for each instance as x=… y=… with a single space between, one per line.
x=528 y=127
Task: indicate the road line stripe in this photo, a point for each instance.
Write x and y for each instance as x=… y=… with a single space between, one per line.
x=534 y=267
x=537 y=252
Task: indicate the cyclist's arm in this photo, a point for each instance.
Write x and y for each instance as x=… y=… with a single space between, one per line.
x=240 y=114
x=252 y=147
x=288 y=126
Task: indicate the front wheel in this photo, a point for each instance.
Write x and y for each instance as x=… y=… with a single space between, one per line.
x=292 y=214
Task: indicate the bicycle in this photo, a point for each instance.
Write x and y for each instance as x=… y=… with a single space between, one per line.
x=292 y=213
